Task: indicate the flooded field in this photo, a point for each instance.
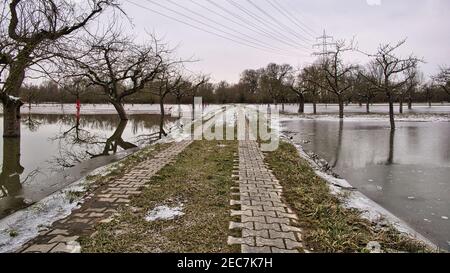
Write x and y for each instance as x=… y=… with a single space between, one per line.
x=406 y=171
x=58 y=149
x=438 y=108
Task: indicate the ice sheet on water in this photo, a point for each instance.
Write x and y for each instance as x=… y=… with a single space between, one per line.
x=356 y=200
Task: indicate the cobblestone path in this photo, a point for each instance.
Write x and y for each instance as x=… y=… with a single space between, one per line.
x=101 y=205
x=266 y=222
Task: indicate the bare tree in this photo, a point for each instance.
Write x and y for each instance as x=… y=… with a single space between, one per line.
x=249 y=82
x=392 y=68
x=198 y=82
x=168 y=81
x=413 y=80
x=311 y=76
x=365 y=89
x=429 y=90
x=273 y=80
x=337 y=73
x=115 y=141
x=443 y=79
x=117 y=65
x=297 y=85
x=28 y=31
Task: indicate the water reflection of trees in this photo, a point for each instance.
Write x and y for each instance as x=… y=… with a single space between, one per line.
x=32 y=124
x=115 y=141
x=99 y=122
x=10 y=184
x=84 y=139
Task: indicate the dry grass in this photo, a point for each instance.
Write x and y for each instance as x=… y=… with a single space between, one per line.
x=201 y=180
x=329 y=227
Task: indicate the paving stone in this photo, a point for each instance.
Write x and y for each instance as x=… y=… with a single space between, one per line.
x=72 y=247
x=293 y=244
x=40 y=248
x=58 y=232
x=264 y=213
x=278 y=250
x=271 y=220
x=282 y=235
x=287 y=215
x=65 y=239
x=290 y=228
x=272 y=208
x=250 y=241
x=103 y=201
x=259 y=219
x=235 y=225
x=260 y=226
x=241 y=213
x=279 y=243
x=264 y=216
x=264 y=233
x=255 y=250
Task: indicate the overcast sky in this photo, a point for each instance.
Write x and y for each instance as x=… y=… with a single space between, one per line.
x=252 y=42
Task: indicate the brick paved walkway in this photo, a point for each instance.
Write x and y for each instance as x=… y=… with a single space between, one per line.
x=266 y=222
x=101 y=205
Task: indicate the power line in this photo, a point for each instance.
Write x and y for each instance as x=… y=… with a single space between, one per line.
x=255 y=28
x=291 y=18
x=202 y=29
x=290 y=10
x=293 y=45
x=262 y=21
x=209 y=26
x=259 y=42
x=281 y=24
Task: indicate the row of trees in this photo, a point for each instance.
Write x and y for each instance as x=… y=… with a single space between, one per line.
x=52 y=38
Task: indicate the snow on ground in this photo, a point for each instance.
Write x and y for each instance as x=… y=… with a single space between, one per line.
x=164 y=213
x=352 y=198
x=26 y=224
x=22 y=226
x=370 y=117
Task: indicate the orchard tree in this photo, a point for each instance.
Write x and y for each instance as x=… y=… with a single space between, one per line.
x=297 y=85
x=311 y=76
x=273 y=82
x=413 y=80
x=116 y=64
x=337 y=74
x=364 y=89
x=443 y=79
x=393 y=77
x=30 y=32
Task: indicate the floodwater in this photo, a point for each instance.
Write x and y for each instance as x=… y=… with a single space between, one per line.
x=55 y=150
x=406 y=171
x=436 y=109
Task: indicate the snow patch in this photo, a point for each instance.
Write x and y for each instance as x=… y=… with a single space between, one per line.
x=354 y=199
x=164 y=213
x=27 y=223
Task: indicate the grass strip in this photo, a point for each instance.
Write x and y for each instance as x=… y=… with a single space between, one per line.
x=199 y=181
x=329 y=226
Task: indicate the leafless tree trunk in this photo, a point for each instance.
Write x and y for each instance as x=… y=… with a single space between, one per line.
x=28 y=31
x=390 y=65
x=116 y=64
x=443 y=79
x=336 y=74
x=168 y=81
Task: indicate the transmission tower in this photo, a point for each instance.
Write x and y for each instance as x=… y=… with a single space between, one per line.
x=325 y=42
